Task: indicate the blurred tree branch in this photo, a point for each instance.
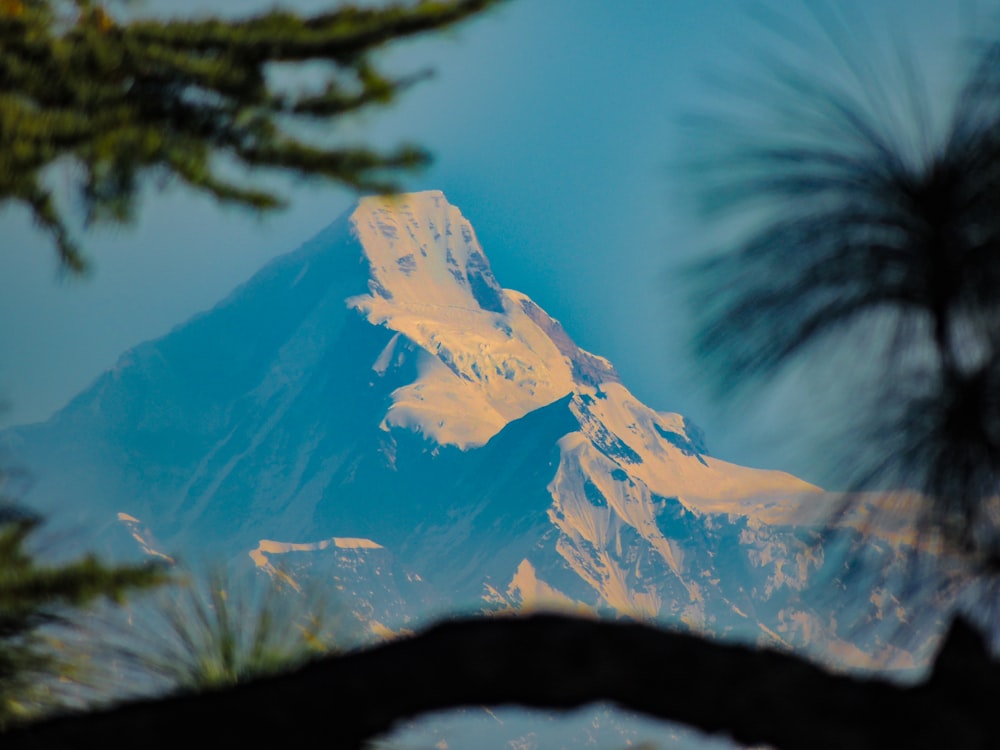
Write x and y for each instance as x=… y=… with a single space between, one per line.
x=34 y=595
x=867 y=248
x=562 y=662
x=185 y=99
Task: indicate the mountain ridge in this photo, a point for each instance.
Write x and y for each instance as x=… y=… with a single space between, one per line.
x=378 y=383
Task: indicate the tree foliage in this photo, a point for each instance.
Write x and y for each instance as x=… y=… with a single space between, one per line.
x=212 y=629
x=191 y=100
x=868 y=246
x=34 y=596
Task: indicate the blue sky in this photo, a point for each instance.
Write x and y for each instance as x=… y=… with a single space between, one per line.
x=553 y=125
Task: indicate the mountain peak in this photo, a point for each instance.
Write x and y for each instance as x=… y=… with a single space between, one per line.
x=279 y=429
x=486 y=355
x=421 y=248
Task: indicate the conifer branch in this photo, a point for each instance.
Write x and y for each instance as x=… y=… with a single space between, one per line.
x=182 y=98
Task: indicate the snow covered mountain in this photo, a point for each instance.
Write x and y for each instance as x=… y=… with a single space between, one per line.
x=375 y=410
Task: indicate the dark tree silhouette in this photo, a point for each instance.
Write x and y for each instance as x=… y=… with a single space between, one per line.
x=561 y=662
x=871 y=245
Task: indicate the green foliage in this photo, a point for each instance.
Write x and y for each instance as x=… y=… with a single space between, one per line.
x=189 y=100
x=218 y=632
x=33 y=596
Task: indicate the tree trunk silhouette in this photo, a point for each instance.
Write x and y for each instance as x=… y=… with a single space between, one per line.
x=560 y=662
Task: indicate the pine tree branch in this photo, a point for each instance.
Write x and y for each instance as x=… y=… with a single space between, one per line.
x=181 y=97
x=558 y=662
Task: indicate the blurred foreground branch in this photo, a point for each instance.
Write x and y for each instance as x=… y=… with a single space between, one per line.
x=198 y=101
x=562 y=662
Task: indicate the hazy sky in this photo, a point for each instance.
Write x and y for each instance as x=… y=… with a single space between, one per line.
x=553 y=124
